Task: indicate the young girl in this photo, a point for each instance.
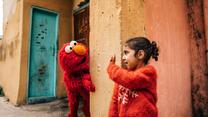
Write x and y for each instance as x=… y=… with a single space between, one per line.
x=135 y=86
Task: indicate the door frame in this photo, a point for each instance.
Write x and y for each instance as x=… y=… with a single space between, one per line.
x=77 y=12
x=42 y=99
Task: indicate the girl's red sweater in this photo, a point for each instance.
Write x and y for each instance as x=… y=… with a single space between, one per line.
x=134 y=92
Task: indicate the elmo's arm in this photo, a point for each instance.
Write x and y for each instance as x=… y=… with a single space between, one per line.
x=113 y=110
x=141 y=78
x=87 y=83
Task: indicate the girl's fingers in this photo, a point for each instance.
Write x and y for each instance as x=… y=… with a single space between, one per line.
x=113 y=59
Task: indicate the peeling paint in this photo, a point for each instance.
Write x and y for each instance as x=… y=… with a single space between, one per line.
x=8 y=49
x=11 y=49
x=2 y=52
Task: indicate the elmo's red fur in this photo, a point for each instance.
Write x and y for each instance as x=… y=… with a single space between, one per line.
x=77 y=78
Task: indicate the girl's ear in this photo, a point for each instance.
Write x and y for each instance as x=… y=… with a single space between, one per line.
x=140 y=55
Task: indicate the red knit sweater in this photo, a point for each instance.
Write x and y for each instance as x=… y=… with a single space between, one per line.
x=134 y=92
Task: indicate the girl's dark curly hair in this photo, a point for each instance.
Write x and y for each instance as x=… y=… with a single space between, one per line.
x=142 y=43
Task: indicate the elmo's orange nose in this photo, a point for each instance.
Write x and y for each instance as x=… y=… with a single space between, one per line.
x=80 y=49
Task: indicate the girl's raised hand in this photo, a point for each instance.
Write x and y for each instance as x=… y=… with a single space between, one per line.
x=113 y=59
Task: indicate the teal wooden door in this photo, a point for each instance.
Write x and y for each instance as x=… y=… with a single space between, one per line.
x=43 y=56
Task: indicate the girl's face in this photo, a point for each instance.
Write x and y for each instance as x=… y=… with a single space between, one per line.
x=129 y=59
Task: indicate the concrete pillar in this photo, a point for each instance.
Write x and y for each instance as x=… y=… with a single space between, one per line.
x=112 y=22
x=132 y=19
x=105 y=40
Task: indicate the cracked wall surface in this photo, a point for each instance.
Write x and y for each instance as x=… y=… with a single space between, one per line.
x=199 y=68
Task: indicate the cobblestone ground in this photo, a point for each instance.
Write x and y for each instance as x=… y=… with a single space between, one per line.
x=57 y=108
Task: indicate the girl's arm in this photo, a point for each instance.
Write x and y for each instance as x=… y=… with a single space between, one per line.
x=113 y=110
x=141 y=78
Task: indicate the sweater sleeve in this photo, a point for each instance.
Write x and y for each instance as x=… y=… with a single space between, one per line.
x=141 y=78
x=113 y=110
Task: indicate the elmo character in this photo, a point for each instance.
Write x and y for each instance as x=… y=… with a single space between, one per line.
x=74 y=60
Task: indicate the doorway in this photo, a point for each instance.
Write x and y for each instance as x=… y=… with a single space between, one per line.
x=42 y=55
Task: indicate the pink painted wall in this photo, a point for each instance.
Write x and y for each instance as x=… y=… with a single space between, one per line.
x=167 y=24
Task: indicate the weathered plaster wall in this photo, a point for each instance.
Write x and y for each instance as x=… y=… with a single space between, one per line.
x=9 y=7
x=132 y=19
x=167 y=24
x=10 y=49
x=104 y=42
x=64 y=8
x=199 y=68
x=205 y=7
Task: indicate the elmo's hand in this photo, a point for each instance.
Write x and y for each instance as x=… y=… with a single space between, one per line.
x=87 y=83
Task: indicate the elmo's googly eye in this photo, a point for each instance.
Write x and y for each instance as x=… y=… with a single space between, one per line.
x=73 y=43
x=68 y=49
